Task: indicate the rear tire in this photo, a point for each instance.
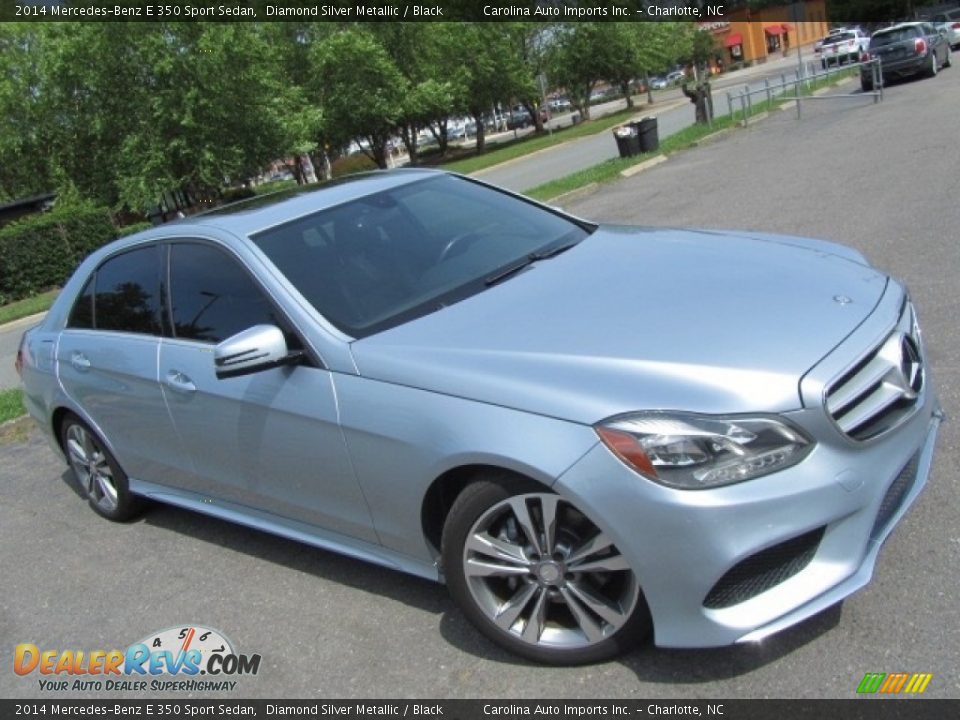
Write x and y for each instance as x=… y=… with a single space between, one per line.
x=537 y=577
x=97 y=473
x=866 y=85
x=947 y=62
x=932 y=70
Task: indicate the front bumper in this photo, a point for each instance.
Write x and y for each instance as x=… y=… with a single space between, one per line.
x=681 y=543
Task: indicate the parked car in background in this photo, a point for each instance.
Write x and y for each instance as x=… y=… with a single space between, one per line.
x=676 y=77
x=949 y=23
x=906 y=49
x=659 y=82
x=520 y=117
x=842 y=46
x=593 y=434
x=559 y=104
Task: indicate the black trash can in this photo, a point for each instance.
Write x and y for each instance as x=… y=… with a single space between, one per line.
x=628 y=143
x=647 y=135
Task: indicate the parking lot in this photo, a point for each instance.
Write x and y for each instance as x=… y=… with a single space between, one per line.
x=882 y=178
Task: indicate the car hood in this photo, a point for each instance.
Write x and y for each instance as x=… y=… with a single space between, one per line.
x=639 y=319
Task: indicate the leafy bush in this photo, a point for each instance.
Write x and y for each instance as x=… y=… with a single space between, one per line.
x=134 y=228
x=352 y=164
x=41 y=251
x=237 y=193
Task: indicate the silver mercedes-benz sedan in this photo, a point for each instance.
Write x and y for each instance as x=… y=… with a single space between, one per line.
x=590 y=433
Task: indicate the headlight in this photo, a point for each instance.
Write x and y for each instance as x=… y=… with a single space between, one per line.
x=693 y=452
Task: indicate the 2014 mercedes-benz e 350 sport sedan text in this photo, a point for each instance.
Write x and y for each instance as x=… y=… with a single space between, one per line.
x=592 y=434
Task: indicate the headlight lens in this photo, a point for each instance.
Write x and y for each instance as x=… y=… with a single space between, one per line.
x=694 y=452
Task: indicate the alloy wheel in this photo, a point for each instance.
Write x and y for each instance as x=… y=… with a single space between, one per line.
x=92 y=468
x=545 y=574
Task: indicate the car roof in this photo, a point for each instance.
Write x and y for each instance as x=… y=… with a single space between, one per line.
x=250 y=216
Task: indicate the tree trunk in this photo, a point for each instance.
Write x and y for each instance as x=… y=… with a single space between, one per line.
x=646 y=81
x=625 y=89
x=702 y=100
x=408 y=133
x=534 y=112
x=441 y=135
x=481 y=131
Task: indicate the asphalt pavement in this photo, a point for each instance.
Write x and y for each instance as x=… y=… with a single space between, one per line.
x=882 y=178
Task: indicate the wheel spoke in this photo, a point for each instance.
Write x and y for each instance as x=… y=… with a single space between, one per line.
x=480 y=568
x=107 y=490
x=548 y=508
x=538 y=618
x=522 y=513
x=508 y=613
x=597 y=543
x=75 y=449
x=612 y=563
x=597 y=604
x=587 y=624
x=485 y=544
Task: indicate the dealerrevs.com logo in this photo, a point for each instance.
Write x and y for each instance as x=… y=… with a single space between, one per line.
x=189 y=658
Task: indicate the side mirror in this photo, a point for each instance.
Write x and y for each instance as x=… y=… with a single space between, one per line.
x=260 y=347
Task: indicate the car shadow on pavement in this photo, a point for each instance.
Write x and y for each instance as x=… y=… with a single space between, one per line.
x=402 y=587
x=648 y=663
x=658 y=665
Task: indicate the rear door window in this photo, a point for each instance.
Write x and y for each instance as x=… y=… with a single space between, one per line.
x=126 y=294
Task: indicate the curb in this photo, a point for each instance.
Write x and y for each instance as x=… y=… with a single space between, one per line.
x=580 y=192
x=23 y=322
x=645 y=165
x=641 y=113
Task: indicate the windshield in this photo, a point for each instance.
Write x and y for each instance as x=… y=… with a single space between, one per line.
x=386 y=258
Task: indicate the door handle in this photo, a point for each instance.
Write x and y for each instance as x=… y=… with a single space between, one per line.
x=79 y=361
x=176 y=380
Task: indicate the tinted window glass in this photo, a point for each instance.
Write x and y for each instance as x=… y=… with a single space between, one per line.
x=894 y=36
x=391 y=256
x=127 y=290
x=212 y=297
x=82 y=314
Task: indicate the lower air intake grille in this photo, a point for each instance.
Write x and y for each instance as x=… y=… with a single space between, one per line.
x=896 y=493
x=764 y=570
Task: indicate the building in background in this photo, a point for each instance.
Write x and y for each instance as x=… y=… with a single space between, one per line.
x=751 y=36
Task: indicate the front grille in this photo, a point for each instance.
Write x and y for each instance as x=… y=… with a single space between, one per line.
x=895 y=495
x=764 y=570
x=881 y=390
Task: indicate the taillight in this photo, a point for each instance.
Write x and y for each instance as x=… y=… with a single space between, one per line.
x=956 y=26
x=920 y=46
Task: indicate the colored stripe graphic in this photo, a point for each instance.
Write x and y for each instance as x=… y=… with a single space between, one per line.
x=894 y=683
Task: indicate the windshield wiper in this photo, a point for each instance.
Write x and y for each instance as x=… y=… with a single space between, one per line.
x=552 y=252
x=511 y=270
x=528 y=260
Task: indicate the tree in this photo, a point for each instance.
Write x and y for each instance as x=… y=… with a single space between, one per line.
x=360 y=89
x=487 y=74
x=25 y=168
x=579 y=59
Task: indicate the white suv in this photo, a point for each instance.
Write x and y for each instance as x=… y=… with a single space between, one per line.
x=846 y=45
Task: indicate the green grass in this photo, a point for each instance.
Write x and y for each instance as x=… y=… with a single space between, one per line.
x=28 y=306
x=513 y=149
x=11 y=404
x=609 y=170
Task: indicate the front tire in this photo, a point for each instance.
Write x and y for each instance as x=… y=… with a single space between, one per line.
x=537 y=577
x=866 y=85
x=99 y=476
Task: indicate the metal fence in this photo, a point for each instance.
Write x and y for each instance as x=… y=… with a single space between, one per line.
x=799 y=85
